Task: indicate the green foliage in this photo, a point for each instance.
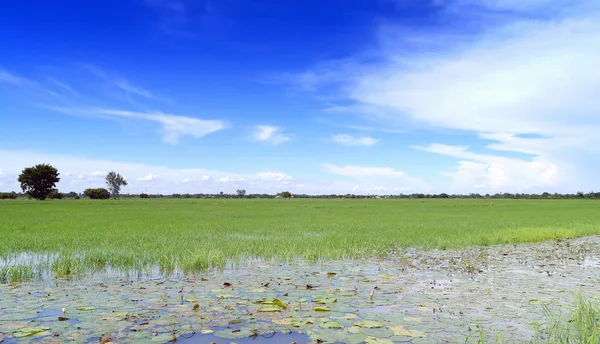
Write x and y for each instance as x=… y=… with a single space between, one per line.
x=8 y=195
x=54 y=194
x=286 y=194
x=241 y=193
x=144 y=195
x=99 y=193
x=583 y=325
x=114 y=182
x=39 y=180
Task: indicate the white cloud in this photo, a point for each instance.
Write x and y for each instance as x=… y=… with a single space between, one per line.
x=269 y=134
x=350 y=140
x=362 y=171
x=527 y=85
x=26 y=84
x=496 y=173
x=147 y=177
x=377 y=179
x=129 y=88
x=173 y=126
x=87 y=173
x=273 y=176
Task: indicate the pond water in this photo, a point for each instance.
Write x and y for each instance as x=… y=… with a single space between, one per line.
x=415 y=296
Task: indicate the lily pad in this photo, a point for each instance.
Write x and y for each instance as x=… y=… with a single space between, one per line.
x=399 y=330
x=324 y=300
x=32 y=332
x=330 y=324
x=322 y=309
x=373 y=340
x=368 y=324
x=85 y=308
x=268 y=308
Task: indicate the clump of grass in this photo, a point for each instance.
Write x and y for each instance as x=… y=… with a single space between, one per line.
x=17 y=273
x=68 y=266
x=582 y=325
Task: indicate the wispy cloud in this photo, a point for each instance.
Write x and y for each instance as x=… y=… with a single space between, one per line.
x=349 y=140
x=269 y=134
x=363 y=171
x=26 y=84
x=85 y=173
x=378 y=179
x=126 y=86
x=173 y=126
x=532 y=70
x=122 y=84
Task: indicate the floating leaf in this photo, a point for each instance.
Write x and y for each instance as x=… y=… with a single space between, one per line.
x=322 y=309
x=206 y=331
x=417 y=320
x=286 y=321
x=330 y=324
x=374 y=340
x=324 y=300
x=399 y=330
x=225 y=296
x=270 y=309
x=85 y=308
x=63 y=318
x=32 y=331
x=368 y=324
x=350 y=316
x=280 y=303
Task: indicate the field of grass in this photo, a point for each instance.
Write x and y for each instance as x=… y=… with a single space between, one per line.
x=73 y=236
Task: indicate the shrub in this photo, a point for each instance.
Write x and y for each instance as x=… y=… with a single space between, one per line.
x=76 y=197
x=8 y=195
x=144 y=195
x=54 y=194
x=99 y=193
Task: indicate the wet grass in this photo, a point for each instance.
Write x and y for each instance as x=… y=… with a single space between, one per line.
x=192 y=235
x=582 y=326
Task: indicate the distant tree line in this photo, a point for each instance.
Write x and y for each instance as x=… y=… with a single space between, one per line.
x=39 y=182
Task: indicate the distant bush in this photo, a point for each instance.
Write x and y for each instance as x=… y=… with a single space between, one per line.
x=144 y=195
x=54 y=194
x=286 y=194
x=8 y=195
x=99 y=193
x=76 y=197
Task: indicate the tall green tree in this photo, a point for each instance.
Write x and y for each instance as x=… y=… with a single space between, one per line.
x=241 y=193
x=114 y=182
x=38 y=181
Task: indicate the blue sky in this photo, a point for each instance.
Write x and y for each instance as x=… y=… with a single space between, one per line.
x=371 y=97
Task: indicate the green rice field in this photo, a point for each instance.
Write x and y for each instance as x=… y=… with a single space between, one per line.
x=72 y=236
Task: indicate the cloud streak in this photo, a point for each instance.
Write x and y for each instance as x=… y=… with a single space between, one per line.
x=349 y=140
x=269 y=134
x=527 y=85
x=173 y=126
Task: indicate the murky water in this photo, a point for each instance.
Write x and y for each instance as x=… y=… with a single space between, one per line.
x=415 y=296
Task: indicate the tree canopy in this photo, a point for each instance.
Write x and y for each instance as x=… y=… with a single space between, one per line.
x=38 y=181
x=114 y=182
